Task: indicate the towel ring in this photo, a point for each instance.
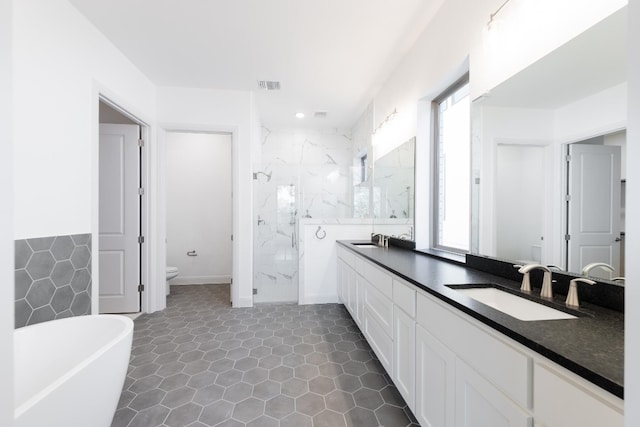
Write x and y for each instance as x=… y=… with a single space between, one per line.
x=319 y=235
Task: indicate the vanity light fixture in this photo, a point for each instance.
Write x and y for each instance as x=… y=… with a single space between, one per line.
x=300 y=115
x=386 y=120
x=492 y=16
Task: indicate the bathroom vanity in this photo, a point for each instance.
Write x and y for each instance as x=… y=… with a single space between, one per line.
x=459 y=362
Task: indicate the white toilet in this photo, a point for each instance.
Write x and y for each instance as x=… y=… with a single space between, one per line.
x=171 y=273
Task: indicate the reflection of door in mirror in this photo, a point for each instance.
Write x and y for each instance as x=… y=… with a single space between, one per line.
x=520 y=202
x=593 y=206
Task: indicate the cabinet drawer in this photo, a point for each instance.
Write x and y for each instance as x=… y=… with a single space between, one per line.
x=404 y=296
x=380 y=342
x=379 y=307
x=347 y=256
x=379 y=278
x=508 y=369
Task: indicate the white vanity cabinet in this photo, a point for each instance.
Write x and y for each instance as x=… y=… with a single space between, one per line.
x=435 y=380
x=564 y=399
x=347 y=282
x=487 y=382
x=404 y=343
x=366 y=291
x=453 y=370
x=378 y=311
x=478 y=403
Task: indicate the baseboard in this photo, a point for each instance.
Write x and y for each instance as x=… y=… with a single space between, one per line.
x=319 y=299
x=243 y=302
x=200 y=280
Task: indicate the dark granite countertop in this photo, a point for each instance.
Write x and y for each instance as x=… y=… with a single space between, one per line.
x=592 y=346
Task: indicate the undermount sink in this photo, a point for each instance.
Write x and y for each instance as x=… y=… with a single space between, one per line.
x=513 y=305
x=365 y=245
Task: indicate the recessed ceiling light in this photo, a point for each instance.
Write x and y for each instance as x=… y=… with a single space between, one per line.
x=300 y=115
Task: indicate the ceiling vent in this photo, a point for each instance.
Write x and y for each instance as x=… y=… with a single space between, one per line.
x=268 y=85
x=320 y=115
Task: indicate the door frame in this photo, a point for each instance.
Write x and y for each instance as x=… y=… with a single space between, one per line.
x=150 y=299
x=128 y=243
x=236 y=260
x=564 y=176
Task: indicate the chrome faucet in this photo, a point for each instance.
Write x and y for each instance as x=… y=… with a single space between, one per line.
x=587 y=268
x=407 y=235
x=382 y=239
x=572 y=296
x=526 y=281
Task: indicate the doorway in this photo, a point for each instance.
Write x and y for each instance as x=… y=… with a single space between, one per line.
x=199 y=207
x=121 y=191
x=520 y=202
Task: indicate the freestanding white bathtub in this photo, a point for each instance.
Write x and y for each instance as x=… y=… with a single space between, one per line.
x=70 y=372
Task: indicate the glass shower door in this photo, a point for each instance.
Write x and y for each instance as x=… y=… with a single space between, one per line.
x=276 y=239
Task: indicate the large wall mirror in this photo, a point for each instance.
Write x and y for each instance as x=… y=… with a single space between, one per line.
x=393 y=191
x=550 y=154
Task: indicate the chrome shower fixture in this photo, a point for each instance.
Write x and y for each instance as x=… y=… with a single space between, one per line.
x=268 y=175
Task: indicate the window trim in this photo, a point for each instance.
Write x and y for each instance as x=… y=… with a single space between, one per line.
x=435 y=139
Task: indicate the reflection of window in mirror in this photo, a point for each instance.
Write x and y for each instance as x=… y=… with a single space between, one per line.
x=452 y=129
x=361 y=188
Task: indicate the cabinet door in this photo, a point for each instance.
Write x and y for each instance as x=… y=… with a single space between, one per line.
x=563 y=400
x=340 y=272
x=359 y=295
x=404 y=328
x=480 y=404
x=379 y=341
x=434 y=375
x=352 y=287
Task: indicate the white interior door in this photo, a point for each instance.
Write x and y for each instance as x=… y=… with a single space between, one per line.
x=119 y=251
x=593 y=206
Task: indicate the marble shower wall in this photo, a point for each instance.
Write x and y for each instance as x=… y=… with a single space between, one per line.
x=301 y=174
x=362 y=144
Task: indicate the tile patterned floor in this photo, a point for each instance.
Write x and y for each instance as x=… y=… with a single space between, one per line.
x=201 y=363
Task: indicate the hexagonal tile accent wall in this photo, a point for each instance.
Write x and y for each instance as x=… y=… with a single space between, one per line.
x=52 y=278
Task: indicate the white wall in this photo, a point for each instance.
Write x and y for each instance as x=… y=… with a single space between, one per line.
x=183 y=109
x=6 y=218
x=318 y=255
x=61 y=61
x=61 y=64
x=600 y=113
x=632 y=247
x=198 y=177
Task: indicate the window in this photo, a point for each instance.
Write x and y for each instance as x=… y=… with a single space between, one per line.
x=452 y=139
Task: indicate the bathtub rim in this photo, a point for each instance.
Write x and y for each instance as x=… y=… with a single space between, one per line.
x=127 y=330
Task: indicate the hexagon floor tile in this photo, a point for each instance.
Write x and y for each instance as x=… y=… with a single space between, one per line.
x=200 y=362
